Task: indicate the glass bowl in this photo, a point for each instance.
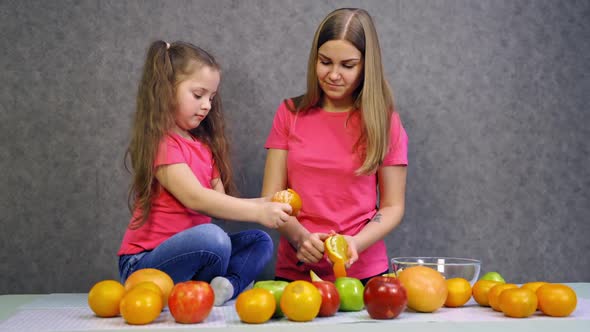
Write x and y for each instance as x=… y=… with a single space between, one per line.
x=450 y=267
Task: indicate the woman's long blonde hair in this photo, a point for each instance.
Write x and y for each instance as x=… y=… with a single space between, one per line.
x=373 y=97
x=166 y=66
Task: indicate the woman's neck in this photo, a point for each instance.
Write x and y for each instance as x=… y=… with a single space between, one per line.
x=337 y=106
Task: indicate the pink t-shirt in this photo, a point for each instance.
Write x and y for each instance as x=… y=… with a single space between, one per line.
x=321 y=167
x=168 y=216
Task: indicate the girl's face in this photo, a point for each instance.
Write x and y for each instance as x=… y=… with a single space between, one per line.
x=194 y=96
x=339 y=69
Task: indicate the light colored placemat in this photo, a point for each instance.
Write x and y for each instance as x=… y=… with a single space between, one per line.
x=53 y=314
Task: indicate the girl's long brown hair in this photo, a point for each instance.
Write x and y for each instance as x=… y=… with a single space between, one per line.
x=165 y=67
x=373 y=98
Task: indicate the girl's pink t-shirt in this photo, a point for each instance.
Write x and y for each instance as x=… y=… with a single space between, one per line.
x=168 y=216
x=321 y=165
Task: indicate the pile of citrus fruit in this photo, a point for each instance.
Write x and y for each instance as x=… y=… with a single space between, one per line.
x=515 y=301
x=139 y=301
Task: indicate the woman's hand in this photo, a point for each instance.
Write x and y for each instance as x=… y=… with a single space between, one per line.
x=273 y=215
x=352 y=253
x=311 y=250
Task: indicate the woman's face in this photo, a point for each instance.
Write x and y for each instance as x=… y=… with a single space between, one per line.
x=339 y=69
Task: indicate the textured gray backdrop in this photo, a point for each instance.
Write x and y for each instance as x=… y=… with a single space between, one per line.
x=494 y=96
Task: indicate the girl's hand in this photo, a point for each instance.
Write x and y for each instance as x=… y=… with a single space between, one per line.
x=273 y=215
x=353 y=255
x=311 y=250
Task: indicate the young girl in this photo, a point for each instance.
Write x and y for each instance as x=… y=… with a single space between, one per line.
x=181 y=172
x=340 y=146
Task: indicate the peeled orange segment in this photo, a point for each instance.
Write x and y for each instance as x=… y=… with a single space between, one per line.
x=339 y=269
x=337 y=250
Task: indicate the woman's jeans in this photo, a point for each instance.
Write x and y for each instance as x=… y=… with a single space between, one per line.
x=204 y=252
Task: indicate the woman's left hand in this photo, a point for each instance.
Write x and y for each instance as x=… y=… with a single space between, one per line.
x=353 y=255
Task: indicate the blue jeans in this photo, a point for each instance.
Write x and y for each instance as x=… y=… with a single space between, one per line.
x=204 y=252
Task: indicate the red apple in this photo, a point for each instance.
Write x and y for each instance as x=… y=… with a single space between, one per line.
x=330 y=298
x=385 y=297
x=191 y=301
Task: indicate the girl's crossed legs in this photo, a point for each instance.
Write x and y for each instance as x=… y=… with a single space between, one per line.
x=205 y=252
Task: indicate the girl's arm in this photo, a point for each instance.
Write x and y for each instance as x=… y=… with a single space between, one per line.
x=392 y=190
x=180 y=181
x=310 y=247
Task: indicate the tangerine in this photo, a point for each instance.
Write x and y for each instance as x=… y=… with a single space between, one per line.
x=459 y=292
x=557 y=300
x=104 y=298
x=337 y=249
x=290 y=197
x=518 y=302
x=255 y=306
x=481 y=289
x=141 y=306
x=534 y=285
x=160 y=278
x=494 y=294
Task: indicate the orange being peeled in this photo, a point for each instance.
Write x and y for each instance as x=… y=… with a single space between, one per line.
x=290 y=197
x=337 y=249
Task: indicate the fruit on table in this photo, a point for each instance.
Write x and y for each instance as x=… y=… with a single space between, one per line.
x=255 y=306
x=191 y=301
x=290 y=197
x=494 y=294
x=534 y=285
x=330 y=298
x=480 y=291
x=301 y=301
x=160 y=278
x=276 y=288
x=492 y=275
x=104 y=298
x=426 y=288
x=337 y=249
x=518 y=302
x=351 y=293
x=384 y=297
x=141 y=306
x=150 y=285
x=459 y=292
x=557 y=300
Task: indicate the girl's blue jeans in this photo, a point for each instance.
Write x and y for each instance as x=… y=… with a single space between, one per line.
x=204 y=252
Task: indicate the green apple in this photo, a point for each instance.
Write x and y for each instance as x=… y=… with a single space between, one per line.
x=351 y=293
x=494 y=276
x=276 y=287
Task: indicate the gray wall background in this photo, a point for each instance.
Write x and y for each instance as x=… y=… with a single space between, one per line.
x=494 y=96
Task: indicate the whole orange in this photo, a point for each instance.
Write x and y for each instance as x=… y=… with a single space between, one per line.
x=158 y=277
x=151 y=286
x=301 y=301
x=481 y=289
x=557 y=300
x=534 y=285
x=104 y=298
x=518 y=302
x=290 y=197
x=426 y=288
x=459 y=292
x=494 y=295
x=255 y=306
x=141 y=306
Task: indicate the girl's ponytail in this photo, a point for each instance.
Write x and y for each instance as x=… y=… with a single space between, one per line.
x=153 y=118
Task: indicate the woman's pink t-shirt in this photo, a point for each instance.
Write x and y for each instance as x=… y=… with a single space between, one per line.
x=168 y=216
x=321 y=165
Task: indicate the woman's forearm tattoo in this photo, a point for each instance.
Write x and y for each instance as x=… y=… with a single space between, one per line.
x=377 y=218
